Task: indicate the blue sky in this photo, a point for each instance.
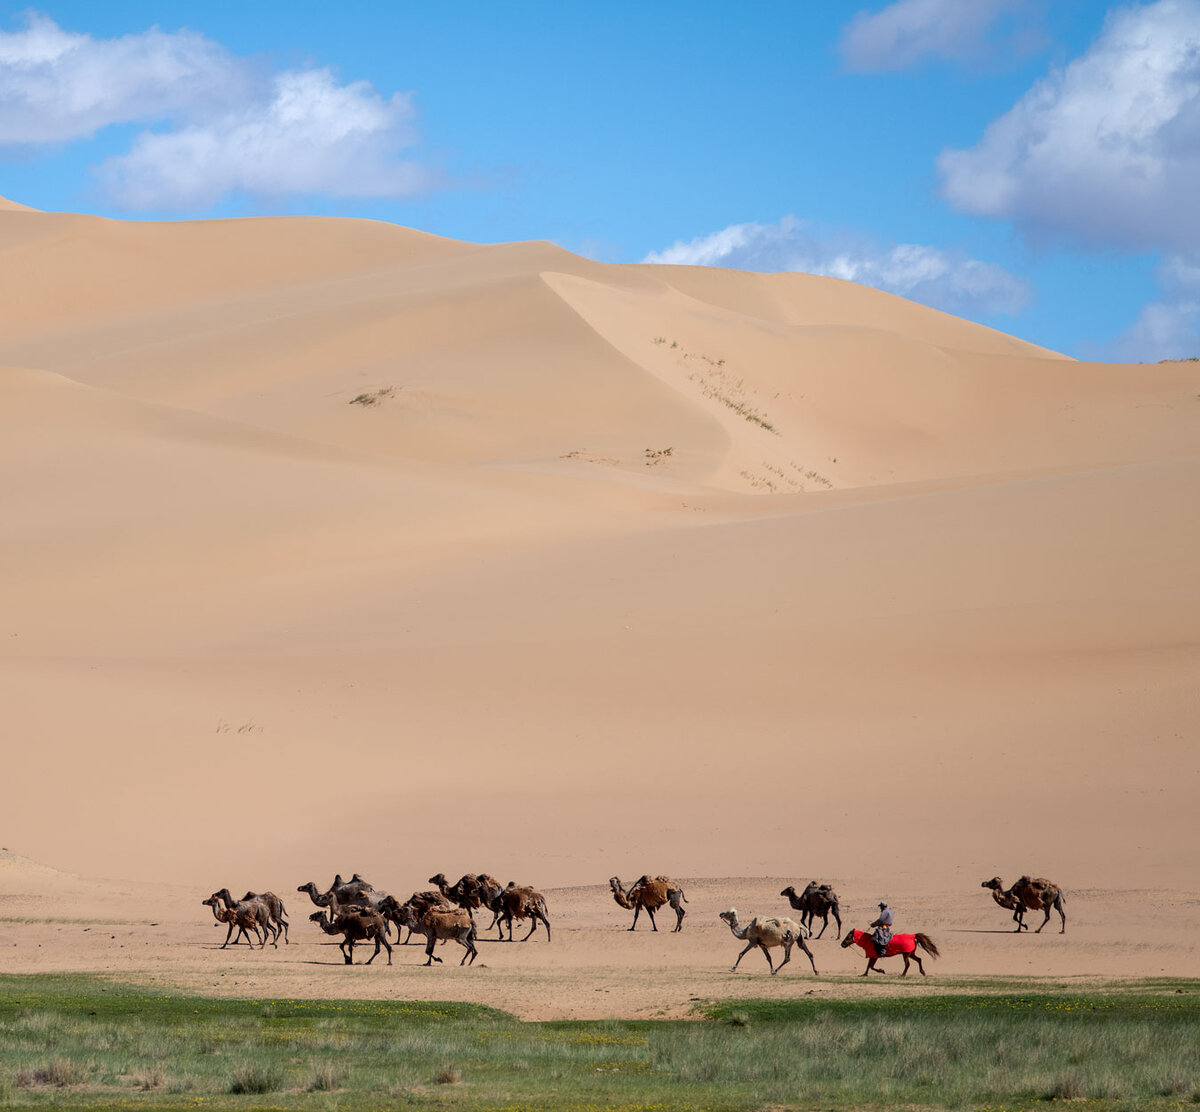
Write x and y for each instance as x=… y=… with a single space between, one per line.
x=1030 y=164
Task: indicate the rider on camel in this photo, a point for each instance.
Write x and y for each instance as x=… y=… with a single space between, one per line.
x=882 y=934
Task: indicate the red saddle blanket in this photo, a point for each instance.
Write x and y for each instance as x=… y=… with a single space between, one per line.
x=900 y=944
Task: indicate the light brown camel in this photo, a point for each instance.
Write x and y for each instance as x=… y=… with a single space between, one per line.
x=767 y=932
x=522 y=903
x=357 y=925
x=275 y=910
x=1032 y=894
x=650 y=893
x=247 y=917
x=816 y=899
x=446 y=923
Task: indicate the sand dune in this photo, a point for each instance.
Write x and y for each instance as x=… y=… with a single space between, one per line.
x=329 y=544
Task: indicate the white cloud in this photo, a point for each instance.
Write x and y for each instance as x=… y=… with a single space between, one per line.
x=1105 y=152
x=56 y=85
x=311 y=136
x=222 y=125
x=1168 y=328
x=909 y=31
x=946 y=280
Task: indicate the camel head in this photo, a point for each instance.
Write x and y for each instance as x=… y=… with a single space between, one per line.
x=788 y=891
x=994 y=883
x=439 y=881
x=730 y=917
x=614 y=882
x=212 y=901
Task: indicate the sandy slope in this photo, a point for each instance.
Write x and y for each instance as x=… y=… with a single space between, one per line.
x=621 y=568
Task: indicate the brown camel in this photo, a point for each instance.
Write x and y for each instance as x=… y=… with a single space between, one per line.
x=446 y=923
x=650 y=893
x=522 y=903
x=767 y=932
x=1032 y=894
x=816 y=899
x=407 y=915
x=356 y=925
x=343 y=896
x=1007 y=901
x=472 y=890
x=248 y=916
x=275 y=910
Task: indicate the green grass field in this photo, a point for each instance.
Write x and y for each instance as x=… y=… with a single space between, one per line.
x=80 y=1042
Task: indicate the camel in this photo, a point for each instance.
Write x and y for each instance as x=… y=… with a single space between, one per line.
x=1040 y=894
x=356 y=925
x=445 y=923
x=407 y=915
x=816 y=899
x=343 y=896
x=903 y=944
x=1007 y=901
x=767 y=932
x=251 y=915
x=650 y=893
x=522 y=903
x=1029 y=893
x=472 y=890
x=275 y=910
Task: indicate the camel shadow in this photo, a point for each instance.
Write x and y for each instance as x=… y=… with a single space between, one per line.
x=982 y=930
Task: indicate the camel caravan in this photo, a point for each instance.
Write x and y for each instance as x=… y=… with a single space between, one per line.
x=358 y=913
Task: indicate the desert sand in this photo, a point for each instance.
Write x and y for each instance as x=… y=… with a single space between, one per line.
x=328 y=546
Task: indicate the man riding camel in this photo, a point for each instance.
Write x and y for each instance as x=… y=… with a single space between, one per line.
x=882 y=934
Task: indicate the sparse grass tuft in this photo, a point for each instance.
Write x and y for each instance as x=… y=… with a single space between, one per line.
x=448 y=1075
x=323 y=1079
x=255 y=1077
x=58 y=1072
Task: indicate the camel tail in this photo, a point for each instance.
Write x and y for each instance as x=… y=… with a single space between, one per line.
x=927 y=944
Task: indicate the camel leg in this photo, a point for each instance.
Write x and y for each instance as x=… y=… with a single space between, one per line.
x=653 y=924
x=812 y=961
x=469 y=943
x=283 y=923
x=767 y=955
x=547 y=924
x=787 y=956
x=431 y=941
x=749 y=946
x=1062 y=914
x=531 y=930
x=1045 y=921
x=228 y=934
x=637 y=910
x=348 y=954
x=824 y=923
x=838 y=920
